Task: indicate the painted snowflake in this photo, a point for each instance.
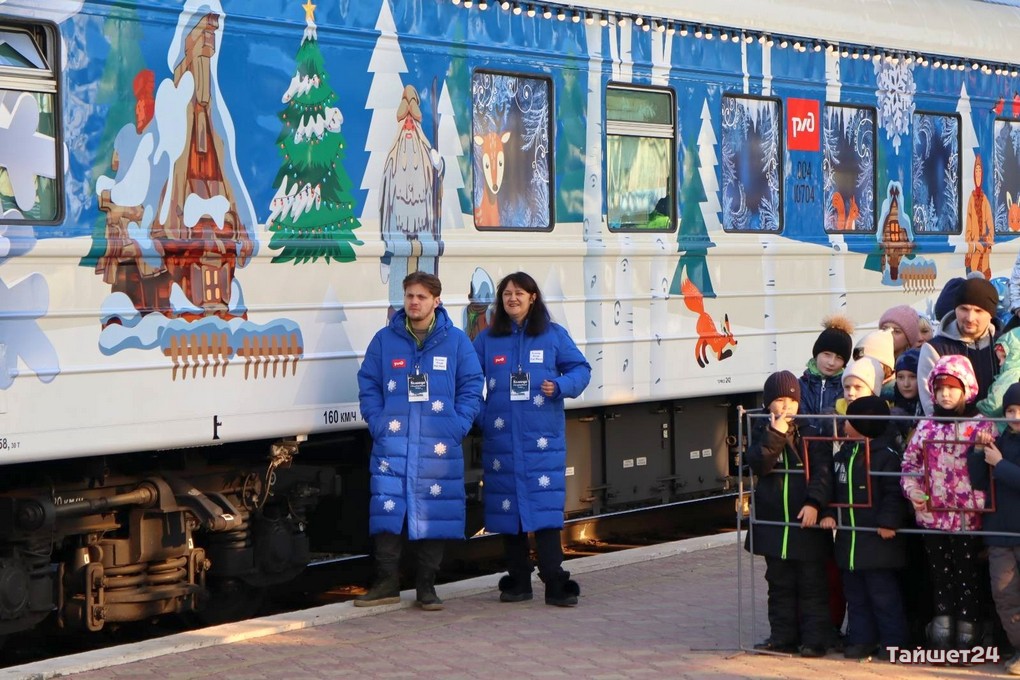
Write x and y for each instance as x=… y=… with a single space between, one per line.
x=543 y=481
x=437 y=406
x=389 y=505
x=384 y=466
x=542 y=443
x=435 y=489
x=394 y=425
x=496 y=465
x=439 y=449
x=539 y=400
x=492 y=383
x=499 y=423
x=391 y=385
x=506 y=504
x=895 y=89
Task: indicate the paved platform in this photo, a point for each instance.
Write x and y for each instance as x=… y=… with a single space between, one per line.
x=667 y=611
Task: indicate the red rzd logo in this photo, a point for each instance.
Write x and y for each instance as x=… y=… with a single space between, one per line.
x=499 y=359
x=399 y=363
x=802 y=124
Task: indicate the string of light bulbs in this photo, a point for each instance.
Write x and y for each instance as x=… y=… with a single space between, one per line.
x=577 y=14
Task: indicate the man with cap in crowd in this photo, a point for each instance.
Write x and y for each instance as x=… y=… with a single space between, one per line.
x=968 y=331
x=795 y=550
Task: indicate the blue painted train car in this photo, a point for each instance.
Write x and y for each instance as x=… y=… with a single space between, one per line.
x=207 y=208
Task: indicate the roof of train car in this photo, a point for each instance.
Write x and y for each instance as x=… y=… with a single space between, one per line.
x=977 y=29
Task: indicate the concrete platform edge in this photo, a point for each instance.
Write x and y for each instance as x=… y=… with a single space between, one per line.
x=328 y=614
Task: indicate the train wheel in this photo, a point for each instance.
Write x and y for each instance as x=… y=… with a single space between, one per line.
x=231 y=600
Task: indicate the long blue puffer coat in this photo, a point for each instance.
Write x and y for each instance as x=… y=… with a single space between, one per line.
x=417 y=462
x=524 y=446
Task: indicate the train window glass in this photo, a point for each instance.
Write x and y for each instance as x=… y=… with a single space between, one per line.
x=1003 y=184
x=640 y=159
x=751 y=164
x=935 y=174
x=848 y=168
x=30 y=154
x=511 y=137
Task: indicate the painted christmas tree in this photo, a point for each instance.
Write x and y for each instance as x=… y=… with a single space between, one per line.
x=312 y=213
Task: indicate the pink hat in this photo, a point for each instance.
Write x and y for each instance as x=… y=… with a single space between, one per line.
x=907 y=319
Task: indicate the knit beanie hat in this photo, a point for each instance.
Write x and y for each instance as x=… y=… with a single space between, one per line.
x=906 y=318
x=781 y=384
x=946 y=380
x=946 y=301
x=868 y=406
x=980 y=293
x=835 y=338
x=1012 y=396
x=879 y=346
x=867 y=370
x=908 y=361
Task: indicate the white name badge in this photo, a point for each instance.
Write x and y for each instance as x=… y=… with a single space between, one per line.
x=536 y=356
x=438 y=363
x=520 y=386
x=418 y=387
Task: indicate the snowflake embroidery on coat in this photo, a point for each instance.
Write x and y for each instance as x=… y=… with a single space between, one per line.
x=499 y=423
x=543 y=481
x=492 y=383
x=439 y=449
x=394 y=425
x=391 y=385
x=539 y=400
x=384 y=466
x=389 y=505
x=543 y=443
x=437 y=406
x=435 y=489
x=496 y=465
x=506 y=504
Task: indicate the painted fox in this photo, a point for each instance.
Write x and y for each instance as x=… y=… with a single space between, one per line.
x=708 y=334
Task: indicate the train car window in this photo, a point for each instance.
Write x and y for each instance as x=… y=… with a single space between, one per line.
x=511 y=145
x=640 y=159
x=848 y=169
x=30 y=151
x=752 y=174
x=1002 y=182
x=935 y=174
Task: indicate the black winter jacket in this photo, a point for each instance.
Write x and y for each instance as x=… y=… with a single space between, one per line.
x=782 y=490
x=1006 y=477
x=857 y=550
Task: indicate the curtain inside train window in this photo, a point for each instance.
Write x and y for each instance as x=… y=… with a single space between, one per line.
x=640 y=159
x=29 y=146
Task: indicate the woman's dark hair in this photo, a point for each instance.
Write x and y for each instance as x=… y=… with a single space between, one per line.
x=538 y=316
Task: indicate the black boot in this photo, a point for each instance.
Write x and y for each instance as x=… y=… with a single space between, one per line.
x=515 y=588
x=940 y=632
x=560 y=591
x=385 y=590
x=968 y=634
x=426 y=593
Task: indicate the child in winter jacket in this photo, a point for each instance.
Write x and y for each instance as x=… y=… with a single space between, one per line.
x=937 y=483
x=1007 y=350
x=1003 y=456
x=906 y=398
x=821 y=385
x=795 y=550
x=868 y=551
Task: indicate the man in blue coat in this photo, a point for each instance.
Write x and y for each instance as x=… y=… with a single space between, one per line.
x=420 y=389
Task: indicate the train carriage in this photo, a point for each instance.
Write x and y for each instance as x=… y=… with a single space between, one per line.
x=207 y=208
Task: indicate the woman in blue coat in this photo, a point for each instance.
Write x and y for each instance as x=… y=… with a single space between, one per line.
x=531 y=365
